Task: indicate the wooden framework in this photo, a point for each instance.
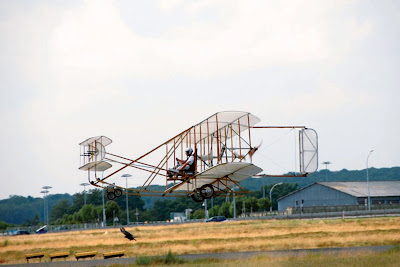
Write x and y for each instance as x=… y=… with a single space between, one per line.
x=219 y=139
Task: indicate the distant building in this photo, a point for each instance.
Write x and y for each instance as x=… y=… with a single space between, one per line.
x=177 y=217
x=342 y=194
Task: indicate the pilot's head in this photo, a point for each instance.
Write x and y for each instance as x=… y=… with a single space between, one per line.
x=189 y=151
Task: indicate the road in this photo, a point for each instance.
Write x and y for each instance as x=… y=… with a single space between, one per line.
x=221 y=256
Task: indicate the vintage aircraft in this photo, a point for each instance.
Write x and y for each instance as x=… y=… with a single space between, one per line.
x=222 y=149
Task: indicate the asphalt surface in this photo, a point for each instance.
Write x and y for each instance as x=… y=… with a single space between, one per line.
x=222 y=256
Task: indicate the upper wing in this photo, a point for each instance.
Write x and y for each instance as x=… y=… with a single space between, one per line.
x=236 y=121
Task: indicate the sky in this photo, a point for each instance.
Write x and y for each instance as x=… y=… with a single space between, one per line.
x=140 y=72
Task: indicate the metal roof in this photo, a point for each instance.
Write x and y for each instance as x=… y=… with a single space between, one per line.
x=359 y=189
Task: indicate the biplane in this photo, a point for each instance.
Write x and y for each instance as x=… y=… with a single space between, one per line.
x=221 y=146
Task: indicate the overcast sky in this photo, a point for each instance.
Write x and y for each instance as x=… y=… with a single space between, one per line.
x=140 y=72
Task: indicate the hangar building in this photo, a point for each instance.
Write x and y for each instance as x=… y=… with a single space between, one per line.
x=342 y=194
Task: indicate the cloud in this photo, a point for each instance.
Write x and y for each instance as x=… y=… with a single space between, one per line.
x=93 y=42
x=87 y=70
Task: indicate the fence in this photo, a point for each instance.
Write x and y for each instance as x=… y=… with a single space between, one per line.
x=324 y=209
x=85 y=226
x=293 y=213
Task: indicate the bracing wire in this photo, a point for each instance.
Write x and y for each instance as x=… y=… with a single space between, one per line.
x=272 y=143
x=295 y=153
x=279 y=137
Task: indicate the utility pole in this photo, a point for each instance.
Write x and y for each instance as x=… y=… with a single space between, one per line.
x=369 y=200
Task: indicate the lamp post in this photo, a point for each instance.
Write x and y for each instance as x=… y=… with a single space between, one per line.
x=263 y=185
x=104 y=210
x=270 y=194
x=44 y=192
x=126 y=193
x=84 y=192
x=369 y=201
x=205 y=208
x=46 y=188
x=326 y=163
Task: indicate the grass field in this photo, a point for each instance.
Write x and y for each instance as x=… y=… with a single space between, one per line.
x=211 y=237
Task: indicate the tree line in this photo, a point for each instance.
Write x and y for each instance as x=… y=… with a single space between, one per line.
x=66 y=209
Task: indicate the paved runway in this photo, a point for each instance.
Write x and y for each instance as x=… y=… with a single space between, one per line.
x=222 y=256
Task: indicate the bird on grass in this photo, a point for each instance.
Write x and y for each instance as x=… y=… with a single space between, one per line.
x=127 y=234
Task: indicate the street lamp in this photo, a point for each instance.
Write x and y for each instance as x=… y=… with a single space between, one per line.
x=205 y=208
x=46 y=188
x=126 y=193
x=270 y=194
x=369 y=203
x=104 y=210
x=326 y=169
x=44 y=192
x=234 y=201
x=263 y=185
x=84 y=192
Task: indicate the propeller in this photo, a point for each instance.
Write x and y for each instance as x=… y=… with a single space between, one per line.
x=253 y=150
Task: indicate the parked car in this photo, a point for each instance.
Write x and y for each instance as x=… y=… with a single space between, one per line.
x=21 y=232
x=41 y=230
x=61 y=228
x=216 y=219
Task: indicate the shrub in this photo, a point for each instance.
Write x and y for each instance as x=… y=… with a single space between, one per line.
x=5 y=243
x=172 y=259
x=143 y=260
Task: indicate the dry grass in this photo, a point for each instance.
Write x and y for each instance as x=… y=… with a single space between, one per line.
x=211 y=237
x=338 y=260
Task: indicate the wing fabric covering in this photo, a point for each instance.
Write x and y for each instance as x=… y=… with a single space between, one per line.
x=308 y=151
x=238 y=121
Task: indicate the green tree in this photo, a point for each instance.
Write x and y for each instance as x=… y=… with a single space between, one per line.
x=99 y=213
x=224 y=209
x=239 y=205
x=214 y=211
x=4 y=225
x=146 y=215
x=161 y=210
x=76 y=218
x=263 y=204
x=59 y=209
x=87 y=213
x=77 y=202
x=111 y=209
x=93 y=196
x=199 y=214
x=251 y=204
x=133 y=202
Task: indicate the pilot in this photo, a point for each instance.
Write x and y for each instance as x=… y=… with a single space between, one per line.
x=186 y=166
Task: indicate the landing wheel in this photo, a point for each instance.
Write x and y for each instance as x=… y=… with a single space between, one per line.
x=110 y=195
x=197 y=197
x=207 y=191
x=117 y=192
